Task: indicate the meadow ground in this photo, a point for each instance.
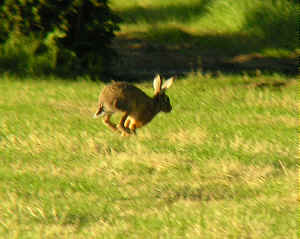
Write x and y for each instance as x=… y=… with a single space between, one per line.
x=223 y=164
x=178 y=36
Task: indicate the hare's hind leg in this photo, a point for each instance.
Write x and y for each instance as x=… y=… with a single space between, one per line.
x=108 y=123
x=122 y=125
x=127 y=123
x=130 y=124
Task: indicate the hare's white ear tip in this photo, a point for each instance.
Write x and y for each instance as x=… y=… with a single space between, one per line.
x=157 y=84
x=172 y=79
x=167 y=84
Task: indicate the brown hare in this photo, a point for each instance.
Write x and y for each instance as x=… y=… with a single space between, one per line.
x=137 y=108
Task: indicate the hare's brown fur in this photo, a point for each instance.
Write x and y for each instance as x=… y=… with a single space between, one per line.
x=138 y=108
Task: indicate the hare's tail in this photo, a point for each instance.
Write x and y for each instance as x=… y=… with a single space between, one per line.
x=99 y=112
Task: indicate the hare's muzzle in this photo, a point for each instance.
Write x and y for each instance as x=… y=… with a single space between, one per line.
x=166 y=108
x=169 y=109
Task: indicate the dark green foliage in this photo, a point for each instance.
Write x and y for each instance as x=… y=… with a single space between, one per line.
x=276 y=27
x=81 y=28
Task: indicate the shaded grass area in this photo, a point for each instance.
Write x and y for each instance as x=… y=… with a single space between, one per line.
x=221 y=165
x=186 y=35
x=208 y=35
x=272 y=24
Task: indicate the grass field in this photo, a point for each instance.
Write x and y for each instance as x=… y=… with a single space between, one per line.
x=221 y=27
x=195 y=31
x=222 y=165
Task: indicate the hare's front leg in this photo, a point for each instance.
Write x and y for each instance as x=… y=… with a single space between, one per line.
x=108 y=123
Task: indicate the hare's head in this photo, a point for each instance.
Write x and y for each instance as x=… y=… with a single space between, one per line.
x=161 y=99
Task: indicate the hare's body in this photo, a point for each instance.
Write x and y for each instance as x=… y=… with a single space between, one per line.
x=123 y=97
x=137 y=107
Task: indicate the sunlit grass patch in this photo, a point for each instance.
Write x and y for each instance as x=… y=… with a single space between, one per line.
x=259 y=147
x=224 y=158
x=188 y=136
x=222 y=164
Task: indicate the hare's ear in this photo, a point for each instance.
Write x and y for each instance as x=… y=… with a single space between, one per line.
x=167 y=84
x=157 y=84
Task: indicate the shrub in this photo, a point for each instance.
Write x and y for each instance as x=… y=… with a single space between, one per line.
x=85 y=27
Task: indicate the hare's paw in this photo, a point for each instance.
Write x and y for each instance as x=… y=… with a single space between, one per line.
x=133 y=129
x=124 y=131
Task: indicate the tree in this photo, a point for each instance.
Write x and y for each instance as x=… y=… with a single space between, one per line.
x=86 y=27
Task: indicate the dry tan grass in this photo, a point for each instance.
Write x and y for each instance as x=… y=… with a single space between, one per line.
x=84 y=109
x=231 y=172
x=68 y=181
x=267 y=99
x=196 y=136
x=239 y=143
x=268 y=120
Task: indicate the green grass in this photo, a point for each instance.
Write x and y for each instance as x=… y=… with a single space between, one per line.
x=222 y=164
x=223 y=27
x=216 y=28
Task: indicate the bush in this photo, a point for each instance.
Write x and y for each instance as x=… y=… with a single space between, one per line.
x=82 y=29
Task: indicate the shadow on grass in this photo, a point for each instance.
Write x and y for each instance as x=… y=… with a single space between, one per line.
x=171 y=50
x=232 y=53
x=212 y=192
x=274 y=28
x=267 y=42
